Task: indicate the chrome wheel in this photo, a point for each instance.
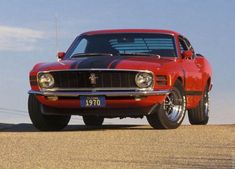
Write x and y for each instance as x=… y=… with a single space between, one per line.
x=200 y=114
x=170 y=113
x=174 y=106
x=206 y=103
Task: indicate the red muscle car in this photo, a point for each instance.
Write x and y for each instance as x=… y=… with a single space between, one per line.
x=122 y=73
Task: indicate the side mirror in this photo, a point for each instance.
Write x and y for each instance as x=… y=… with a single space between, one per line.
x=60 y=55
x=188 y=54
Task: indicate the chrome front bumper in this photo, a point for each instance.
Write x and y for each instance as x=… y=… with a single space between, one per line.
x=138 y=93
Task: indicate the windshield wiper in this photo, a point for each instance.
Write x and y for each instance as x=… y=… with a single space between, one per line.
x=140 y=54
x=110 y=54
x=91 y=54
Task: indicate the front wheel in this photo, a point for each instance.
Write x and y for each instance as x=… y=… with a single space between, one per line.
x=170 y=114
x=45 y=122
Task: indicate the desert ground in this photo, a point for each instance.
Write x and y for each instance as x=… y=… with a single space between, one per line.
x=117 y=146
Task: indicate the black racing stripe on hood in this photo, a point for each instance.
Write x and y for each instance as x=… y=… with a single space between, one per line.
x=73 y=65
x=97 y=62
x=115 y=62
x=76 y=62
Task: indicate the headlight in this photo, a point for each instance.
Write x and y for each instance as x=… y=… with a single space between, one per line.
x=46 y=80
x=143 y=80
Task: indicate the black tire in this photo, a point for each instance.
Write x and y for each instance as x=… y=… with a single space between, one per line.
x=170 y=114
x=200 y=115
x=45 y=122
x=93 y=120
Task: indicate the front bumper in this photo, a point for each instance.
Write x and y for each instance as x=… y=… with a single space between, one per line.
x=118 y=103
x=138 y=93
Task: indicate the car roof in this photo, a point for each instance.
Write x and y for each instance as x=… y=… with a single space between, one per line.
x=113 y=31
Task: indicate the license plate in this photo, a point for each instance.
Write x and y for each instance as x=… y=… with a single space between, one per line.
x=92 y=101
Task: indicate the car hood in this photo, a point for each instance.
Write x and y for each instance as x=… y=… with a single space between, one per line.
x=107 y=62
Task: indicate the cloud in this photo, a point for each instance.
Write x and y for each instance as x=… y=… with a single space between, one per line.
x=19 y=39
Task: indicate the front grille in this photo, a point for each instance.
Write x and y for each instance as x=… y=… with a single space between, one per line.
x=103 y=79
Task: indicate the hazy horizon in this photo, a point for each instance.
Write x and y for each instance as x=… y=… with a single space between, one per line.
x=27 y=36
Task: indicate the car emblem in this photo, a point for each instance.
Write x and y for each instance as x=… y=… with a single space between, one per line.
x=93 y=78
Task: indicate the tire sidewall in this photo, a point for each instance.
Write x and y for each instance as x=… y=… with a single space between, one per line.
x=45 y=122
x=164 y=119
x=198 y=115
x=93 y=120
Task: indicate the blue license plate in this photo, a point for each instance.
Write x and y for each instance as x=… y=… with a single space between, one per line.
x=92 y=101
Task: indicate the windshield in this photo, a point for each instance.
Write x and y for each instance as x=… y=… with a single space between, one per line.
x=123 y=43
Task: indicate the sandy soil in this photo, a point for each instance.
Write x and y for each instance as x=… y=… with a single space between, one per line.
x=117 y=146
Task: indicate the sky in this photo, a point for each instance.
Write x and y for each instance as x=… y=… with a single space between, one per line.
x=28 y=36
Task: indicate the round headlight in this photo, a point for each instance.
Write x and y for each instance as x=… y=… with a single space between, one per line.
x=143 y=80
x=46 y=80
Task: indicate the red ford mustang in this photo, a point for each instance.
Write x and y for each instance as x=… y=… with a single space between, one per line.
x=122 y=73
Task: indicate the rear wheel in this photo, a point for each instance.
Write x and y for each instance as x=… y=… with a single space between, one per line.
x=170 y=114
x=45 y=122
x=93 y=120
x=200 y=115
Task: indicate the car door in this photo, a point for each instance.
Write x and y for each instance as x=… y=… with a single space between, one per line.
x=192 y=70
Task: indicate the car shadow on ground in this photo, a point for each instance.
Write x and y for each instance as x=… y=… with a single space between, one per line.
x=26 y=127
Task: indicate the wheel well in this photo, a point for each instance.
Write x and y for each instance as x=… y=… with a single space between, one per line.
x=180 y=79
x=208 y=84
x=208 y=81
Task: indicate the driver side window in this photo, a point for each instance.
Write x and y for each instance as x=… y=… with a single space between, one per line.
x=190 y=47
x=183 y=46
